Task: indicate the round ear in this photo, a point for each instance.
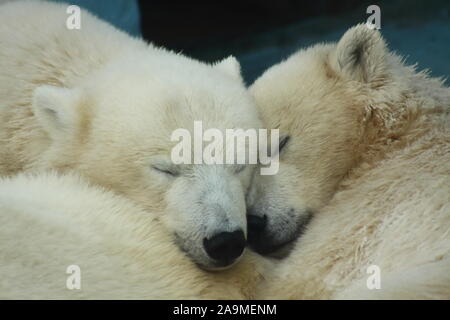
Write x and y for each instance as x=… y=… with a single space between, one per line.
x=57 y=109
x=360 y=55
x=231 y=67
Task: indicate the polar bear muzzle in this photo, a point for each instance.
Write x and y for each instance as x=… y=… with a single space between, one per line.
x=225 y=247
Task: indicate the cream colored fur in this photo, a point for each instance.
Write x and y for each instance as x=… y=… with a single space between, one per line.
x=99 y=102
x=370 y=152
x=49 y=222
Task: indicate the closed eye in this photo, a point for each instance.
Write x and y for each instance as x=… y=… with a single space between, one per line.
x=167 y=169
x=283 y=142
x=239 y=169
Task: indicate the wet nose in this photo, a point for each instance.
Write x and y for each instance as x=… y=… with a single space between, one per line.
x=256 y=224
x=225 y=247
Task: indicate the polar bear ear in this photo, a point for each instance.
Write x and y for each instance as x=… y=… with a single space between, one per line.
x=361 y=54
x=230 y=66
x=56 y=108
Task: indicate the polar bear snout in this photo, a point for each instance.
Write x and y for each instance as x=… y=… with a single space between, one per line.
x=255 y=224
x=209 y=223
x=225 y=247
x=274 y=234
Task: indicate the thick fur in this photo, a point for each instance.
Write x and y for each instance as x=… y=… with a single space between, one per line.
x=104 y=104
x=49 y=222
x=370 y=153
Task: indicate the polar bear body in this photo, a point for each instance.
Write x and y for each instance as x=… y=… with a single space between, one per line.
x=50 y=222
x=96 y=101
x=369 y=151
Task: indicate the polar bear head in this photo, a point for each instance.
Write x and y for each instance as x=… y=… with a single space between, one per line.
x=116 y=129
x=321 y=100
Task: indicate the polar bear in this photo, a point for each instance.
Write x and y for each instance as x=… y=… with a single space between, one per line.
x=65 y=238
x=367 y=149
x=99 y=102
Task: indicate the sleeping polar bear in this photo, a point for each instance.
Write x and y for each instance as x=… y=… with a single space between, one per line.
x=96 y=101
x=50 y=224
x=367 y=150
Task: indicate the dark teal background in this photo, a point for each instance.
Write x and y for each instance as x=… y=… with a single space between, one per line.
x=262 y=33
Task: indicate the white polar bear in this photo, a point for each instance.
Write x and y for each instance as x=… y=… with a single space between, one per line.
x=369 y=152
x=99 y=102
x=50 y=222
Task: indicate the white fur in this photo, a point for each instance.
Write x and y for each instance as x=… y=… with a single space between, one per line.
x=49 y=222
x=104 y=104
x=370 y=153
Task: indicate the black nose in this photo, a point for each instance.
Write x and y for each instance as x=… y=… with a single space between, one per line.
x=225 y=247
x=256 y=224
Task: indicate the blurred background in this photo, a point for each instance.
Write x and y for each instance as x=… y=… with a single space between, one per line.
x=261 y=33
